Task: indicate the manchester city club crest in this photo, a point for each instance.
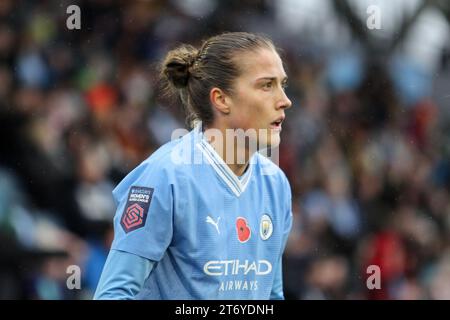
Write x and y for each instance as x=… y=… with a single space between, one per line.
x=265 y=227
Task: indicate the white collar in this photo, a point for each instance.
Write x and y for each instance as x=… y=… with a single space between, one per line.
x=237 y=186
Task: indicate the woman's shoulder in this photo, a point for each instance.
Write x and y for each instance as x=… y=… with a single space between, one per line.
x=268 y=169
x=170 y=161
x=156 y=172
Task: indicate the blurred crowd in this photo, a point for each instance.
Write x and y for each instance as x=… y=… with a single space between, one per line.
x=369 y=163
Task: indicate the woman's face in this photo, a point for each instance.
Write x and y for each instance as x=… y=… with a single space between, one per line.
x=258 y=99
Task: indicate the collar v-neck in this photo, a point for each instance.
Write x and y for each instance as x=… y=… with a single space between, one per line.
x=237 y=185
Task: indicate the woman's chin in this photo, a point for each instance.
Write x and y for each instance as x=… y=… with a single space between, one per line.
x=272 y=141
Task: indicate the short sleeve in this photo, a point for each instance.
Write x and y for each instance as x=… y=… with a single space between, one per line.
x=123 y=276
x=143 y=223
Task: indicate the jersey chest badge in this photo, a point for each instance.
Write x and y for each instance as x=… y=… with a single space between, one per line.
x=265 y=227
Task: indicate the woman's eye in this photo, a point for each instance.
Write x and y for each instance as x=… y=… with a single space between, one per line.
x=268 y=85
x=284 y=85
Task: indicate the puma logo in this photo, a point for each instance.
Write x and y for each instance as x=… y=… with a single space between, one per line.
x=214 y=223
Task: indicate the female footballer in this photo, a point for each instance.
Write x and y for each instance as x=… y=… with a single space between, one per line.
x=206 y=217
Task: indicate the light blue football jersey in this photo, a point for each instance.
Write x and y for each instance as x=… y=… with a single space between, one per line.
x=211 y=234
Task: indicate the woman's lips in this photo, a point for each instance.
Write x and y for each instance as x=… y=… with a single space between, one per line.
x=276 y=125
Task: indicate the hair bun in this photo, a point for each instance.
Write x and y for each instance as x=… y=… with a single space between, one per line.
x=176 y=66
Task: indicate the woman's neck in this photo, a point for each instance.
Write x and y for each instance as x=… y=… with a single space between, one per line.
x=232 y=150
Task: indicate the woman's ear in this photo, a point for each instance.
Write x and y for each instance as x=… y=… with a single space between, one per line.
x=219 y=100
